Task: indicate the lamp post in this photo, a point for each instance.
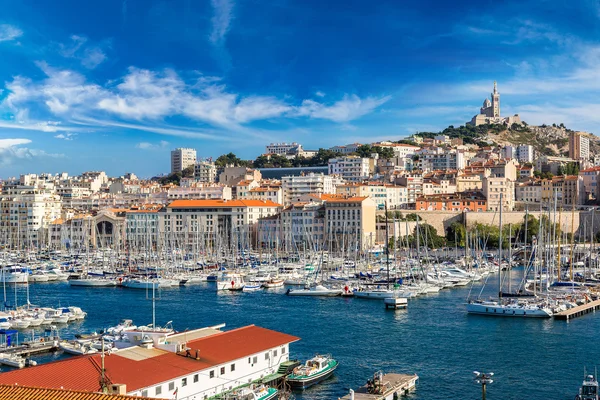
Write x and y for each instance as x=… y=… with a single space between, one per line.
x=484 y=379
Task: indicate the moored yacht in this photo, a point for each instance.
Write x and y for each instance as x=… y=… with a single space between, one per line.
x=315 y=370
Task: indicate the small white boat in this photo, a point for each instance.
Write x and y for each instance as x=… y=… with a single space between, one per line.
x=317 y=291
x=140 y=284
x=77 y=348
x=21 y=323
x=12 y=360
x=38 y=277
x=273 y=283
x=249 y=287
x=56 y=274
x=93 y=282
x=231 y=281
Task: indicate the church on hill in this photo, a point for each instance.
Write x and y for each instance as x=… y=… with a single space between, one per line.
x=489 y=113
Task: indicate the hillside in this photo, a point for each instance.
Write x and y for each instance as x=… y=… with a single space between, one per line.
x=552 y=140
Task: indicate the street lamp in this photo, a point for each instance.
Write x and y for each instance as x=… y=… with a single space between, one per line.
x=484 y=379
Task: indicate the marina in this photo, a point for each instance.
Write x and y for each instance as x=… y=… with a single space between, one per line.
x=384 y=387
x=433 y=338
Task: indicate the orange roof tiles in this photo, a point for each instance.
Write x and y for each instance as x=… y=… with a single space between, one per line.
x=33 y=393
x=221 y=203
x=83 y=373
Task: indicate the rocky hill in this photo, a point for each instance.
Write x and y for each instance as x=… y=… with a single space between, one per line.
x=552 y=140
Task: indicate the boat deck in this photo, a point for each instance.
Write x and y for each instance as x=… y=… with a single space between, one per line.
x=400 y=383
x=578 y=311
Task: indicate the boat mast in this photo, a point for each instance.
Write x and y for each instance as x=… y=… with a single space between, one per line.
x=387 y=244
x=500 y=252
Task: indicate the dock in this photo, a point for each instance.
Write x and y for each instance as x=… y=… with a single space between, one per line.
x=578 y=311
x=395 y=302
x=31 y=348
x=384 y=388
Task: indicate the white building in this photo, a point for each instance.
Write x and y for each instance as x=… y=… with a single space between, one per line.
x=522 y=153
x=205 y=172
x=297 y=187
x=438 y=159
x=192 y=365
x=394 y=196
x=283 y=148
x=351 y=168
x=494 y=187
x=529 y=192
x=181 y=158
x=26 y=213
x=347 y=149
x=401 y=150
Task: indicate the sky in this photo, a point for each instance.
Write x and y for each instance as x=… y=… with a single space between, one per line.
x=115 y=85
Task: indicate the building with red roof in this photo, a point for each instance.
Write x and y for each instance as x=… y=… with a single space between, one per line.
x=196 y=364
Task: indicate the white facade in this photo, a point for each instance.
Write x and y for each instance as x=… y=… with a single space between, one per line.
x=181 y=158
x=283 y=148
x=439 y=160
x=296 y=187
x=205 y=172
x=214 y=191
x=347 y=149
x=529 y=192
x=351 y=168
x=493 y=188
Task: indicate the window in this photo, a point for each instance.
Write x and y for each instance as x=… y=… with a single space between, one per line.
x=195 y=378
x=274 y=353
x=184 y=382
x=171 y=385
x=266 y=356
x=232 y=367
x=144 y=393
x=158 y=390
x=255 y=360
x=222 y=370
x=211 y=374
x=283 y=350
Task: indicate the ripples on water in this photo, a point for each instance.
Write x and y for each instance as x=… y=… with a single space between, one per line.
x=435 y=338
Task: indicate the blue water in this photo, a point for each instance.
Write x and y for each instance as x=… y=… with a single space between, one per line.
x=434 y=337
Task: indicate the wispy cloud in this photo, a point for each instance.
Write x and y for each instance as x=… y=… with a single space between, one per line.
x=221 y=20
x=347 y=109
x=90 y=56
x=152 y=146
x=143 y=99
x=9 y=33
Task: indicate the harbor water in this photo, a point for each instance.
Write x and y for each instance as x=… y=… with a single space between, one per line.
x=435 y=337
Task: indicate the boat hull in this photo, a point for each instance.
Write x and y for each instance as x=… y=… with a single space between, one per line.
x=497 y=310
x=304 y=383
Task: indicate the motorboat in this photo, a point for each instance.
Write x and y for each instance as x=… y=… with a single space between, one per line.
x=132 y=283
x=14 y=274
x=251 y=287
x=93 y=282
x=252 y=392
x=315 y=370
x=231 y=281
x=77 y=348
x=56 y=274
x=37 y=277
x=273 y=283
x=376 y=293
x=318 y=291
x=12 y=360
x=588 y=389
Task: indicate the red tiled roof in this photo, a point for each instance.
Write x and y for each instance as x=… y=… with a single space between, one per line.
x=83 y=373
x=33 y=393
x=222 y=203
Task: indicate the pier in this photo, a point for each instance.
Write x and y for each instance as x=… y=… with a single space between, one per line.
x=384 y=389
x=578 y=311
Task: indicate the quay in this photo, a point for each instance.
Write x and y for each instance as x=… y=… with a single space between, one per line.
x=578 y=311
x=384 y=387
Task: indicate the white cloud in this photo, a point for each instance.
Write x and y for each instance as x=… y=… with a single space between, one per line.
x=65 y=136
x=347 y=109
x=9 y=33
x=318 y=93
x=221 y=20
x=11 y=150
x=152 y=146
x=92 y=57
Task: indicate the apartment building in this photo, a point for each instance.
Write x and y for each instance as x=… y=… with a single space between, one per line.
x=493 y=187
x=205 y=172
x=395 y=196
x=465 y=201
x=529 y=192
x=296 y=188
x=352 y=168
x=351 y=222
x=181 y=158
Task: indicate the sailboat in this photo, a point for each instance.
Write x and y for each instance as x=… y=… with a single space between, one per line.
x=513 y=308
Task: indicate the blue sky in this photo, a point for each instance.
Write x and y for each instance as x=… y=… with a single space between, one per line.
x=114 y=85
